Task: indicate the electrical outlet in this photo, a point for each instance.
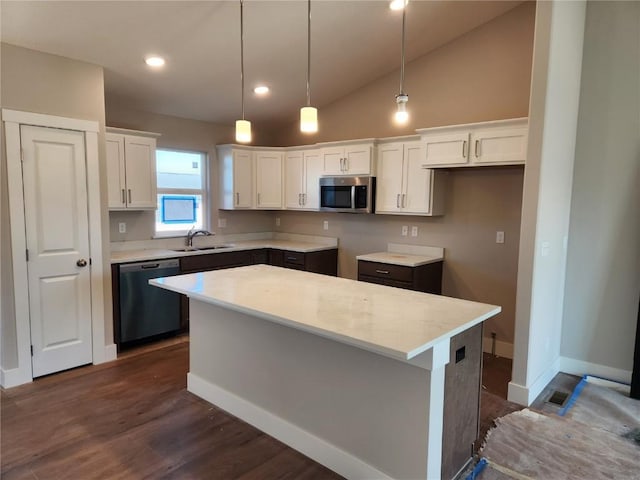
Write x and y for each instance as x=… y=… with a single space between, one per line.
x=122 y=227
x=544 y=249
x=499 y=237
x=222 y=222
x=277 y=221
x=405 y=230
x=414 y=231
x=325 y=225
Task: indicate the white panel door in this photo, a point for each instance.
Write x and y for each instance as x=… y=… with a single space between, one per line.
x=269 y=180
x=140 y=155
x=293 y=180
x=242 y=179
x=447 y=149
x=389 y=178
x=313 y=169
x=358 y=159
x=116 y=186
x=57 y=233
x=417 y=183
x=499 y=145
x=333 y=161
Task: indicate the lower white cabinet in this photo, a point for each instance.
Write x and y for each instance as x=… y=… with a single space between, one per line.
x=502 y=142
x=302 y=171
x=404 y=186
x=268 y=180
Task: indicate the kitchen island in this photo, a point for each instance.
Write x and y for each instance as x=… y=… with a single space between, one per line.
x=349 y=373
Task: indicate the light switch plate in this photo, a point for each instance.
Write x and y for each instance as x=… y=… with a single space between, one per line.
x=222 y=222
x=325 y=225
x=277 y=221
x=122 y=227
x=414 y=231
x=499 y=237
x=405 y=230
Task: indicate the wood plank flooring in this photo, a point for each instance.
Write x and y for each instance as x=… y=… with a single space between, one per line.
x=134 y=419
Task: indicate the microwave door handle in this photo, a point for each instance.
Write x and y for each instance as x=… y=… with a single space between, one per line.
x=353 y=197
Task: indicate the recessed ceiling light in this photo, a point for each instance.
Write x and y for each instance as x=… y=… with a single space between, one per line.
x=398 y=4
x=261 y=90
x=154 y=61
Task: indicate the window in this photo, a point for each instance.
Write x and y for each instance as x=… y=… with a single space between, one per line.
x=182 y=192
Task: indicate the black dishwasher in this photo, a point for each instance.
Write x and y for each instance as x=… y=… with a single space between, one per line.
x=145 y=310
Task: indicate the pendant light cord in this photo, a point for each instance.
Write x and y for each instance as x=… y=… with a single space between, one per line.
x=242 y=56
x=404 y=10
x=308 y=53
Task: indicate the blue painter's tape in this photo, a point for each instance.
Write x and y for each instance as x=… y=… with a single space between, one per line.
x=480 y=466
x=574 y=396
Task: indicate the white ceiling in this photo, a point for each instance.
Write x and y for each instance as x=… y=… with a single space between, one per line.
x=352 y=44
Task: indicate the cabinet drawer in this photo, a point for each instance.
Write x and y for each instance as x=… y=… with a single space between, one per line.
x=214 y=261
x=294 y=258
x=389 y=282
x=384 y=270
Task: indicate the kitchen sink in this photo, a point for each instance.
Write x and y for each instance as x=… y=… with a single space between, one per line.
x=199 y=249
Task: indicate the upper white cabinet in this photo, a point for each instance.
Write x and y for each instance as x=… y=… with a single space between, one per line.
x=302 y=172
x=236 y=177
x=131 y=169
x=348 y=158
x=268 y=179
x=404 y=185
x=503 y=142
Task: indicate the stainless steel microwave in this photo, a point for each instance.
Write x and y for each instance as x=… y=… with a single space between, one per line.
x=347 y=194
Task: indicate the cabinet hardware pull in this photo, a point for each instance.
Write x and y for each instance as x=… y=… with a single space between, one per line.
x=304 y=199
x=124 y=200
x=398 y=201
x=346 y=164
x=258 y=199
x=476 y=149
x=464 y=149
x=129 y=195
x=237 y=198
x=342 y=164
x=383 y=272
x=292 y=259
x=404 y=197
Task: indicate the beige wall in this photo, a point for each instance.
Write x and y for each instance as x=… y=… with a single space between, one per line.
x=483 y=75
x=181 y=134
x=603 y=266
x=38 y=82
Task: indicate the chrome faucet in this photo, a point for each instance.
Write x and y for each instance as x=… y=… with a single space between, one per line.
x=192 y=233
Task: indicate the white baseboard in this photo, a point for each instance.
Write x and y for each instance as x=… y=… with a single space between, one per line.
x=314 y=447
x=525 y=395
x=503 y=349
x=13 y=378
x=580 y=368
x=110 y=352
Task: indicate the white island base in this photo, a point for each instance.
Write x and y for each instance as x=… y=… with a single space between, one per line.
x=354 y=404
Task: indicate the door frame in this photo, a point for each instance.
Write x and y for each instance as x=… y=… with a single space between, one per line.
x=13 y=119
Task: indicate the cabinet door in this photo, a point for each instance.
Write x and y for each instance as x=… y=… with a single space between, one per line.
x=293 y=180
x=416 y=196
x=333 y=160
x=358 y=159
x=116 y=187
x=312 y=172
x=140 y=168
x=389 y=178
x=242 y=179
x=269 y=180
x=446 y=149
x=500 y=146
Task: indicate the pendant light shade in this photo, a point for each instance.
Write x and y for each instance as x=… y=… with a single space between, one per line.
x=243 y=127
x=402 y=115
x=308 y=114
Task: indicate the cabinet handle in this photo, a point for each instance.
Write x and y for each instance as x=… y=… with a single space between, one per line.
x=476 y=149
x=404 y=197
x=258 y=199
x=237 y=198
x=383 y=272
x=292 y=259
x=304 y=199
x=398 y=201
x=342 y=164
x=346 y=164
x=464 y=149
x=300 y=199
x=124 y=200
x=129 y=195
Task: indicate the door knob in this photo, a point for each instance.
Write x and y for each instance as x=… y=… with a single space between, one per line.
x=81 y=263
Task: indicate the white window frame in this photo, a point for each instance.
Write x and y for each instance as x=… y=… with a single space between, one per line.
x=204 y=192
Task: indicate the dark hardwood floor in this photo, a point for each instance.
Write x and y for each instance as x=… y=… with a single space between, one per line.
x=133 y=419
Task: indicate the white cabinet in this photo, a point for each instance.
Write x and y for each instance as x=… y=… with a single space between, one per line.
x=502 y=142
x=236 y=177
x=268 y=179
x=348 y=159
x=404 y=186
x=131 y=169
x=303 y=169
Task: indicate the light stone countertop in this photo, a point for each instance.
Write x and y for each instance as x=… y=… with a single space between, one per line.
x=406 y=255
x=139 y=255
x=389 y=321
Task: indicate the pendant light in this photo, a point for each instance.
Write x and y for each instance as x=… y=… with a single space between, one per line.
x=308 y=114
x=401 y=115
x=243 y=127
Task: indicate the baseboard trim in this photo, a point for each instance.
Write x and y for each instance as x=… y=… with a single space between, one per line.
x=580 y=368
x=110 y=353
x=13 y=377
x=525 y=395
x=503 y=349
x=314 y=447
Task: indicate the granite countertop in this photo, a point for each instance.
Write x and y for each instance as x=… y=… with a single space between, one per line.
x=139 y=255
x=389 y=321
x=406 y=255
